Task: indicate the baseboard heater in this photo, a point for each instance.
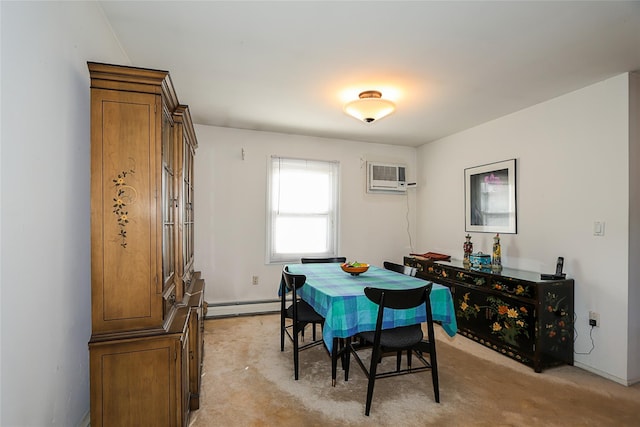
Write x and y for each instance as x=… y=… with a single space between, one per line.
x=242 y=308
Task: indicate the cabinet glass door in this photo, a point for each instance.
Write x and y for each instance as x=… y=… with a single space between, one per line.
x=187 y=244
x=168 y=202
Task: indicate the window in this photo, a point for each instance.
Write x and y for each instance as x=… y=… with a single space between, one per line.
x=302 y=209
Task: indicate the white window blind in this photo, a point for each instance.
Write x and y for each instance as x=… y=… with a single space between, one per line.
x=302 y=209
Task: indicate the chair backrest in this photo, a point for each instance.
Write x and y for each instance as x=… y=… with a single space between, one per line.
x=399 y=299
x=340 y=259
x=293 y=281
x=398 y=268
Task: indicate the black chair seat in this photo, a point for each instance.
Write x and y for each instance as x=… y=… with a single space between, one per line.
x=306 y=313
x=402 y=337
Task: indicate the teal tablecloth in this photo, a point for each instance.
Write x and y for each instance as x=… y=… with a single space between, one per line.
x=339 y=297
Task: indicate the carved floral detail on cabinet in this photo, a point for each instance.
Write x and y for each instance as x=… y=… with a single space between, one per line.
x=125 y=194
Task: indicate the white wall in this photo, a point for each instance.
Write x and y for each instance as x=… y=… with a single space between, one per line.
x=45 y=273
x=230 y=207
x=572 y=170
x=634 y=225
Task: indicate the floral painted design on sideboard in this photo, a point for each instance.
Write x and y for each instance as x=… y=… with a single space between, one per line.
x=509 y=322
x=466 y=310
x=511 y=288
x=557 y=329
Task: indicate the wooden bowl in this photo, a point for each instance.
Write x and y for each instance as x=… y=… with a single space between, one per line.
x=354 y=271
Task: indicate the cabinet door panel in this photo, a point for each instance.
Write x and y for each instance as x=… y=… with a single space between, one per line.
x=124 y=211
x=133 y=384
x=194 y=359
x=496 y=318
x=185 y=372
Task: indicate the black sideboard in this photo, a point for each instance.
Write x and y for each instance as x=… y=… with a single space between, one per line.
x=512 y=312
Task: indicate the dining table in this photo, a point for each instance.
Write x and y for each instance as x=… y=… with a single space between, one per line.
x=339 y=297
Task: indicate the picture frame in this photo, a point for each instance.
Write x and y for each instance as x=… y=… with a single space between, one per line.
x=490 y=198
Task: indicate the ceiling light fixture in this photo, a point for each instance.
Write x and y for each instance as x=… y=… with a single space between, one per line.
x=370 y=107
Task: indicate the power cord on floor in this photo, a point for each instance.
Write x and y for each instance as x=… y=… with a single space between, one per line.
x=575 y=334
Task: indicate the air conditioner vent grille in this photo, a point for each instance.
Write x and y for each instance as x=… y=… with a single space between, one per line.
x=386 y=177
x=385 y=173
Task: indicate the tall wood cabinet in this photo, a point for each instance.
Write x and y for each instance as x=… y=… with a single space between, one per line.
x=146 y=345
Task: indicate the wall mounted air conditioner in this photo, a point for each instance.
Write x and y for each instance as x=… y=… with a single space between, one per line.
x=386 y=177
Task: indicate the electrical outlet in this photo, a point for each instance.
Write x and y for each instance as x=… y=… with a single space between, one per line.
x=254 y=280
x=594 y=318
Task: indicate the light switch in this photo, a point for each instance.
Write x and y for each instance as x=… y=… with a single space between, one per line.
x=598 y=228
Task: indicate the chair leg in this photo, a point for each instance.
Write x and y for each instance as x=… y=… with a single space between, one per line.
x=409 y=359
x=434 y=372
x=334 y=361
x=295 y=350
x=347 y=359
x=433 y=360
x=372 y=379
x=343 y=351
x=282 y=326
x=398 y=360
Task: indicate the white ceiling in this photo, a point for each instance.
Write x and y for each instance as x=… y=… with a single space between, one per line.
x=449 y=65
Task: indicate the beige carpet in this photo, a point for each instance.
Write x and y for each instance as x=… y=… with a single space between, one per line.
x=249 y=382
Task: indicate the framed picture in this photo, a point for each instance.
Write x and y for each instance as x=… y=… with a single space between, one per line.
x=490 y=198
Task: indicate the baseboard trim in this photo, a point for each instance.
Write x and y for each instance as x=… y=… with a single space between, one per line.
x=86 y=420
x=603 y=374
x=242 y=308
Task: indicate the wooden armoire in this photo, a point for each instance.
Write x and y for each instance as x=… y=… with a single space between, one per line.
x=147 y=302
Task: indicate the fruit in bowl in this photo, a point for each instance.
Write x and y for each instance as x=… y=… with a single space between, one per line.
x=354 y=268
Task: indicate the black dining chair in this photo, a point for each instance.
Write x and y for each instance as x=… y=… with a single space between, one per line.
x=399 y=268
x=339 y=259
x=300 y=313
x=409 y=338
x=307 y=260
x=402 y=269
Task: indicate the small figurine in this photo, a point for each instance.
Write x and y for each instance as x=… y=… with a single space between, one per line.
x=468 y=249
x=496 y=259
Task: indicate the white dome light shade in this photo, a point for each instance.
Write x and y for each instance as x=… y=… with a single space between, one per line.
x=370 y=107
